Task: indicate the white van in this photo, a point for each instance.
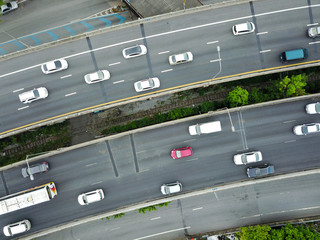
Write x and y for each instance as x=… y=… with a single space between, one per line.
x=16 y=228
x=205 y=128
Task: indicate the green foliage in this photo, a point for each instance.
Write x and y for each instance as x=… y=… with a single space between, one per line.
x=120 y=215
x=238 y=97
x=152 y=208
x=206 y=107
x=293 y=86
x=287 y=232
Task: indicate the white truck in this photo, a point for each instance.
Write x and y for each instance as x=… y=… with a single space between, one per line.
x=205 y=128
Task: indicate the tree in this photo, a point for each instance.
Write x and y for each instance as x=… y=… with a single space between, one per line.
x=238 y=97
x=255 y=232
x=293 y=86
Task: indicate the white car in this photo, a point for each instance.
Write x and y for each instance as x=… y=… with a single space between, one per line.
x=8 y=7
x=180 y=58
x=98 y=76
x=246 y=158
x=313 y=108
x=205 y=128
x=33 y=95
x=305 y=129
x=54 y=66
x=147 y=84
x=134 y=51
x=314 y=32
x=90 y=197
x=170 y=188
x=16 y=228
x=243 y=28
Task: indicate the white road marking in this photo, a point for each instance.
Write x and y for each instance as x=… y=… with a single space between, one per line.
x=91 y=164
x=261 y=33
x=112 y=229
x=264 y=51
x=120 y=81
x=170 y=32
x=212 y=42
x=145 y=170
x=111 y=64
x=289 y=121
x=258 y=215
x=155 y=218
x=69 y=94
x=163 y=52
x=141 y=151
x=96 y=183
x=190 y=140
x=66 y=76
x=23 y=108
x=314 y=42
x=192 y=159
x=312 y=24
x=216 y=60
x=168 y=70
x=157 y=234
x=196 y=209
x=18 y=90
x=290 y=141
x=215 y=194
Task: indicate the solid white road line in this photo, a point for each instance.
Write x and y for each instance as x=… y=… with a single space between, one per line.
x=157 y=234
x=23 y=108
x=111 y=64
x=212 y=42
x=168 y=70
x=264 y=51
x=155 y=218
x=163 y=52
x=312 y=24
x=18 y=90
x=66 y=76
x=120 y=81
x=261 y=33
x=69 y=94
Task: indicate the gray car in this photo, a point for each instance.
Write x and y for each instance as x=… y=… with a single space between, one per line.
x=35 y=169
x=260 y=171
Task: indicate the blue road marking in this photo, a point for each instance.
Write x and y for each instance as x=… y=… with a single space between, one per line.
x=37 y=40
x=18 y=44
x=3 y=52
x=73 y=32
x=120 y=17
x=106 y=21
x=55 y=36
x=87 y=25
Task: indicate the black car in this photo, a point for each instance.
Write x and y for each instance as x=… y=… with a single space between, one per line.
x=35 y=169
x=260 y=171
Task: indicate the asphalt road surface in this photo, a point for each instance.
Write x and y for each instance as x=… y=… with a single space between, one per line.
x=280 y=26
x=131 y=169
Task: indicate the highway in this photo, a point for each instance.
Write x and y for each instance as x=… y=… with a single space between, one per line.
x=131 y=168
x=279 y=27
x=250 y=205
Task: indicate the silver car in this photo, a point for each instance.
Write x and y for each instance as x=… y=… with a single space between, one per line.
x=180 y=58
x=54 y=66
x=314 y=32
x=170 y=188
x=8 y=7
x=260 y=171
x=243 y=28
x=134 y=51
x=98 y=76
x=91 y=197
x=35 y=169
x=147 y=84
x=246 y=158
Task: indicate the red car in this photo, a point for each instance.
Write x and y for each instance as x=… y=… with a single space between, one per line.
x=181 y=152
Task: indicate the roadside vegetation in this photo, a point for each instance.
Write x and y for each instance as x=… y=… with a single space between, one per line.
x=231 y=94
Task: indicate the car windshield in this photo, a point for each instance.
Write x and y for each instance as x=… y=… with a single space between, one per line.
x=244 y=158
x=133 y=51
x=57 y=64
x=36 y=93
x=317 y=107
